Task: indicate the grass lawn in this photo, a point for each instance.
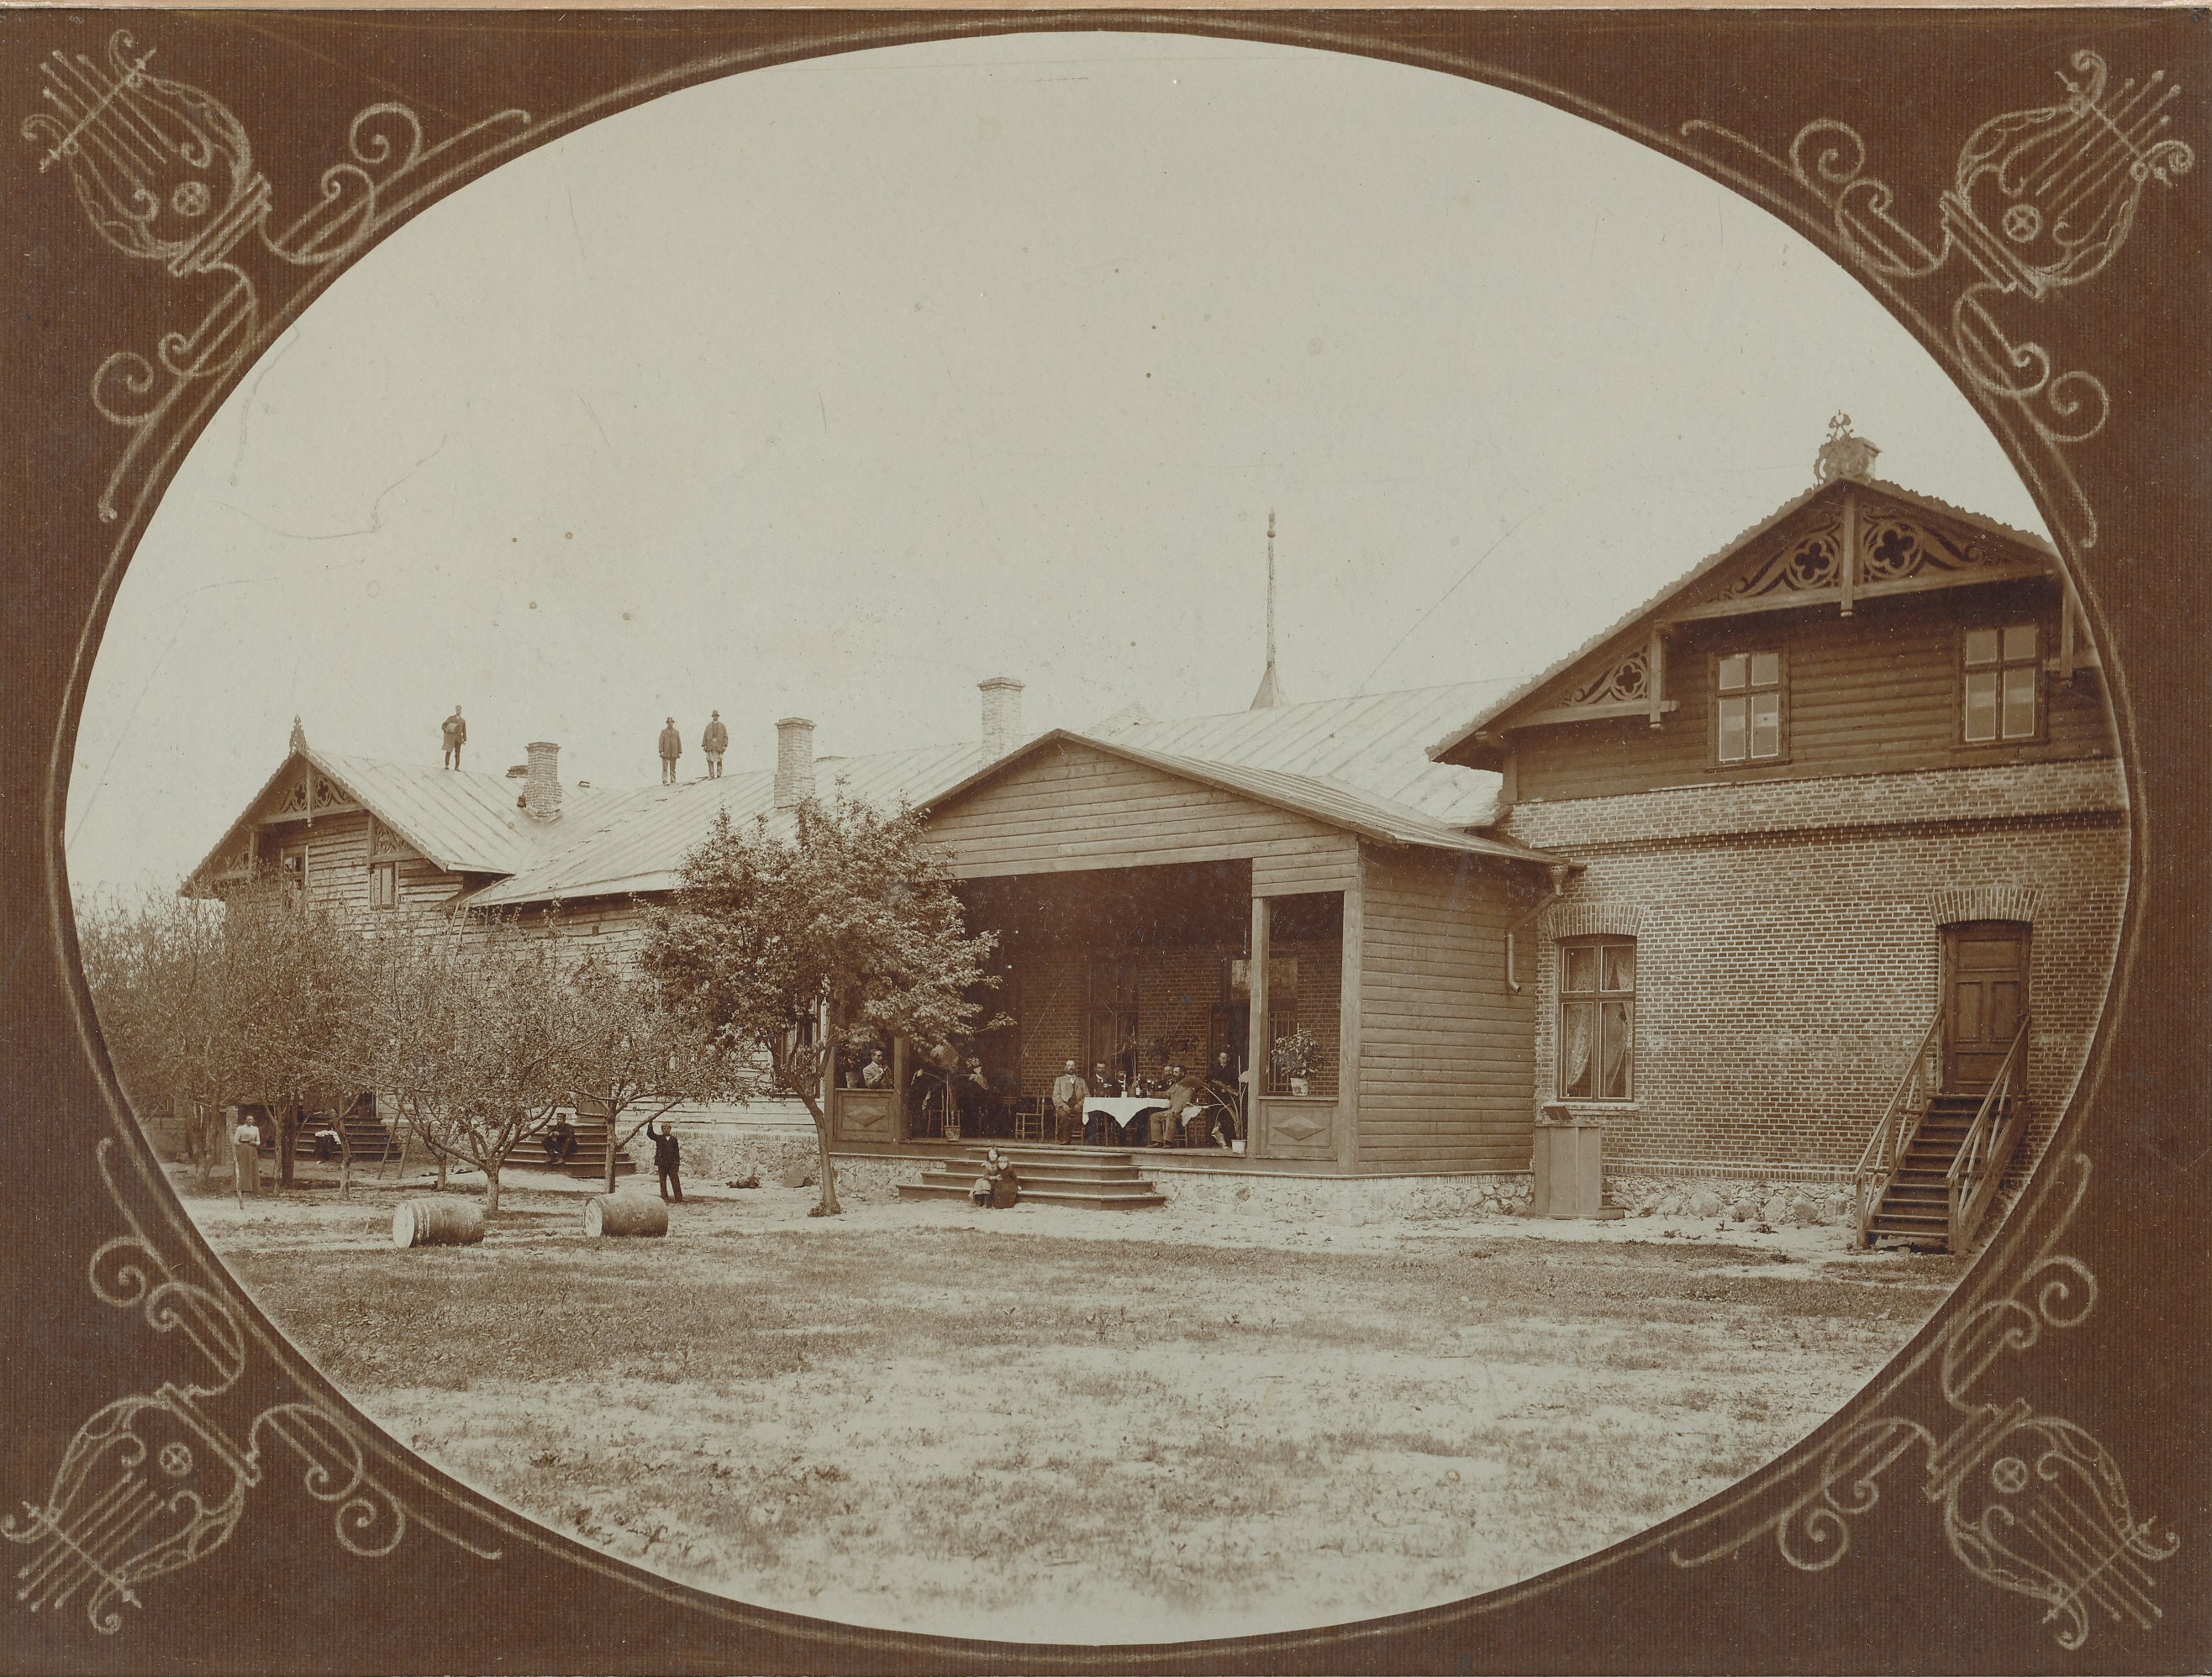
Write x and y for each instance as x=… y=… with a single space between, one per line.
x=1082 y=1426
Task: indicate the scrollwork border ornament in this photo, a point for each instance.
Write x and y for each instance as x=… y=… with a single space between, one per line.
x=165 y=172
x=2040 y=201
x=155 y=1482
x=2030 y=1503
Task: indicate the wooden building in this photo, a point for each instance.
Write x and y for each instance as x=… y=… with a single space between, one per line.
x=1827 y=835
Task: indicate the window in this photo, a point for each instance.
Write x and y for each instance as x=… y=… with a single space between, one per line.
x=2003 y=673
x=1747 y=707
x=384 y=885
x=1597 y=1019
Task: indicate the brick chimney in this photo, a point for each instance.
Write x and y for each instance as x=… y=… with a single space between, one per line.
x=541 y=785
x=795 y=762
x=1002 y=716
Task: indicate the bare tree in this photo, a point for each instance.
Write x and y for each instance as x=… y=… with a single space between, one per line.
x=637 y=1058
x=847 y=931
x=471 y=1028
x=218 y=1004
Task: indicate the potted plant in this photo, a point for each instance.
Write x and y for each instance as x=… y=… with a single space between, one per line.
x=1292 y=1058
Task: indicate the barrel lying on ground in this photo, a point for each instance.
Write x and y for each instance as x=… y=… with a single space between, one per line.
x=624 y=1213
x=438 y=1222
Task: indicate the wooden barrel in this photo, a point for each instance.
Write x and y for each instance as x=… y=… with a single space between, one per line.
x=437 y=1222
x=607 y=1214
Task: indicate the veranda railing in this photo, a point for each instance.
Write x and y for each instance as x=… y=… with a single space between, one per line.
x=1901 y=1121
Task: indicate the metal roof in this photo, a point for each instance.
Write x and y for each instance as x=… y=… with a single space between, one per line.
x=1322 y=800
x=1500 y=704
x=641 y=846
x=1376 y=743
x=464 y=820
x=1356 y=763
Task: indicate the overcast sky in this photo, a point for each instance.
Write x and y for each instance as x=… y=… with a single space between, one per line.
x=834 y=388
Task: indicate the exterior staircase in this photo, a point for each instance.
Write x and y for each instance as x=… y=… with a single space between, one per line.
x=589 y=1161
x=1915 y=1207
x=1932 y=1169
x=1103 y=1179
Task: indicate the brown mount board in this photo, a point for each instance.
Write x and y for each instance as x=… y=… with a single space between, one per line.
x=337 y=1551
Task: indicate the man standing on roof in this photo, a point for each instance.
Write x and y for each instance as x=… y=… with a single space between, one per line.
x=714 y=742
x=672 y=747
x=457 y=735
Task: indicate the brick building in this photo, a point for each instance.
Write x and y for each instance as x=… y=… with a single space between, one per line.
x=1823 y=842
x=1842 y=801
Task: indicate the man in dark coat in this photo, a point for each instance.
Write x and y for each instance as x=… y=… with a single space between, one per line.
x=714 y=742
x=672 y=747
x=456 y=733
x=667 y=1160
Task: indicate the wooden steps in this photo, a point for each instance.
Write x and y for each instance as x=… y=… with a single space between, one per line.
x=1916 y=1206
x=1102 y=1178
x=588 y=1161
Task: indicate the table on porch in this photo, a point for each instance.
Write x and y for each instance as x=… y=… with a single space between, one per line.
x=1122 y=1111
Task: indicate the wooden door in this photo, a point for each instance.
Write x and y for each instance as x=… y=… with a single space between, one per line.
x=1984 y=998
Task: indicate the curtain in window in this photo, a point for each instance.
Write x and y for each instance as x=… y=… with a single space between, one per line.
x=1577 y=1067
x=1616 y=1036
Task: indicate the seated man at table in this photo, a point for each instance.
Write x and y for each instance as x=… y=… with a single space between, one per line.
x=1069 y=1092
x=1168 y=1121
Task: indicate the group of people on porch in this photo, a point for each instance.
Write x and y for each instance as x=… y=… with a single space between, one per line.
x=1176 y=1107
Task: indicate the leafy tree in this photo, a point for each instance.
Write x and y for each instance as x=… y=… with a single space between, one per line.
x=843 y=929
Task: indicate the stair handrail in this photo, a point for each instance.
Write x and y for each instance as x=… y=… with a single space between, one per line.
x=1900 y=1120
x=1984 y=1154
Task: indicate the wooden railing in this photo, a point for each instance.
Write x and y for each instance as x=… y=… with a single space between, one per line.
x=1901 y=1121
x=1989 y=1143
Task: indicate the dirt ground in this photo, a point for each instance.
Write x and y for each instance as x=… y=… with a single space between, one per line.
x=1064 y=1425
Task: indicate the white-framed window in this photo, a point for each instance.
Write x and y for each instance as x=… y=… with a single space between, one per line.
x=2004 y=682
x=1747 y=707
x=384 y=885
x=1597 y=1019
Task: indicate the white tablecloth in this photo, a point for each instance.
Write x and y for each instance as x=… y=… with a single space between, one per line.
x=1123 y=1108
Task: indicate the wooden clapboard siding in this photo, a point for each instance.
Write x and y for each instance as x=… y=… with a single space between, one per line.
x=1874 y=692
x=1070 y=807
x=1330 y=863
x=1447 y=1050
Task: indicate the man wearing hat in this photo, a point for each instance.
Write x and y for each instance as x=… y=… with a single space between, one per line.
x=714 y=742
x=672 y=747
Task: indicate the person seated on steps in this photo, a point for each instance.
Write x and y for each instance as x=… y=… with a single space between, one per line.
x=561 y=1143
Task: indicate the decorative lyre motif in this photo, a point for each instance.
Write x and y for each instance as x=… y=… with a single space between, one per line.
x=156 y=1481
x=165 y=172
x=2040 y=200
x=2031 y=1504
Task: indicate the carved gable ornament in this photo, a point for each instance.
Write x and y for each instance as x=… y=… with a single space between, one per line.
x=1892 y=546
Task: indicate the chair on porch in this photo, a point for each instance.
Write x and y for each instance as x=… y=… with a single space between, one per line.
x=1028 y=1118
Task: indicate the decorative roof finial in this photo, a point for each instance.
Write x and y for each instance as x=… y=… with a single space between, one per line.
x=1843 y=455
x=299 y=738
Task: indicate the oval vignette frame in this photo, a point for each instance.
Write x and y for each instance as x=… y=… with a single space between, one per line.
x=1823 y=1556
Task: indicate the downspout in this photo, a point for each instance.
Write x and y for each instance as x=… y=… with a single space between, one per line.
x=1559 y=870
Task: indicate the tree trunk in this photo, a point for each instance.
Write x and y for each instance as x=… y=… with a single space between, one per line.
x=491 y=1189
x=828 y=1207
x=345 y=1161
x=204 y=1123
x=287 y=1128
x=613 y=1112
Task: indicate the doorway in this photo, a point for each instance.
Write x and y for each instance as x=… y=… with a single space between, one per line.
x=1984 y=998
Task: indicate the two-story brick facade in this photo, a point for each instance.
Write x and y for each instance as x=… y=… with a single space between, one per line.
x=1851 y=777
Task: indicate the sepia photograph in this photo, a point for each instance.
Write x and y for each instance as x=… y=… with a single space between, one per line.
x=1097 y=837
